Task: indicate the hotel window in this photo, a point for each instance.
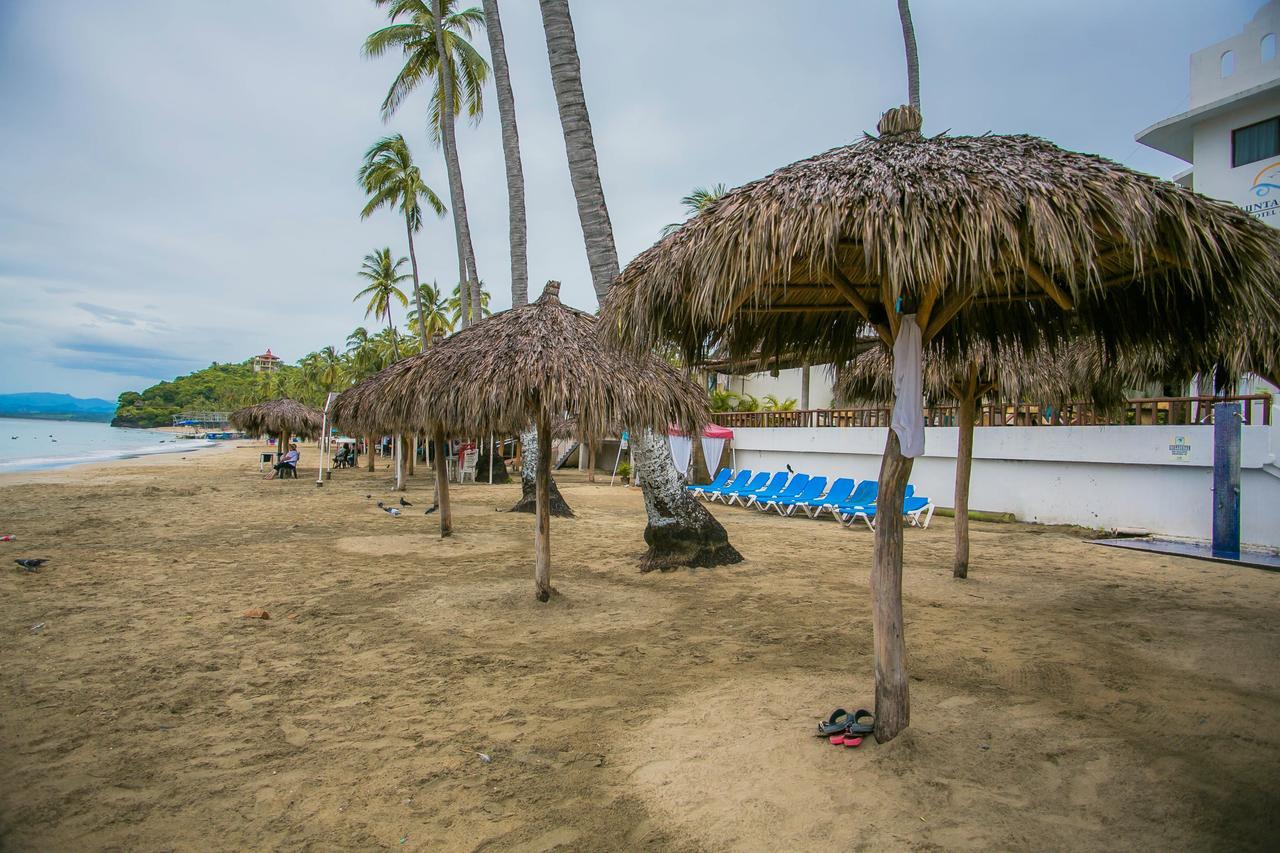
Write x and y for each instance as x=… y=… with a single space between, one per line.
x=1255 y=142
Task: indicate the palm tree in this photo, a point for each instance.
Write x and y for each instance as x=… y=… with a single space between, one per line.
x=511 y=154
x=435 y=309
x=456 y=308
x=384 y=277
x=696 y=202
x=913 y=61
x=391 y=179
x=580 y=146
x=449 y=58
x=680 y=530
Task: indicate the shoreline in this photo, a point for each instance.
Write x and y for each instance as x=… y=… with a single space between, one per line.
x=92 y=467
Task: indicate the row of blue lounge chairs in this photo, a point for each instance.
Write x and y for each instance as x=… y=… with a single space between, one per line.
x=847 y=499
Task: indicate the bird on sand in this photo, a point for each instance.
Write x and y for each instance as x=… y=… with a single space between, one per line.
x=389 y=510
x=31 y=564
x=368 y=497
x=404 y=502
x=432 y=509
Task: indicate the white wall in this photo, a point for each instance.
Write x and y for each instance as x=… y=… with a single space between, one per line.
x=1107 y=477
x=786 y=385
x=1208 y=84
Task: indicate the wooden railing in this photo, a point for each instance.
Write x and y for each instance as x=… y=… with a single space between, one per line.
x=1144 y=411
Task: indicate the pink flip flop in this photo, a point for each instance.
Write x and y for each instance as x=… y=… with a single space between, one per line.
x=845 y=739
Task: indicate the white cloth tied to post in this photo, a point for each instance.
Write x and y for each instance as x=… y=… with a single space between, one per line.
x=681 y=452
x=711 y=450
x=908 y=388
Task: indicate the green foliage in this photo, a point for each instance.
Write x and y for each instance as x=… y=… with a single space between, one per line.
x=218 y=387
x=412 y=35
x=772 y=404
x=624 y=470
x=732 y=401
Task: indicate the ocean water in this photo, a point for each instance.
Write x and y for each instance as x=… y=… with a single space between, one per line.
x=29 y=445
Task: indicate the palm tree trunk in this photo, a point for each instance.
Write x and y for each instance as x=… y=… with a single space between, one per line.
x=680 y=531
x=913 y=61
x=461 y=228
x=804 y=386
x=893 y=705
x=442 y=488
x=511 y=153
x=417 y=297
x=542 y=530
x=584 y=171
x=966 y=416
x=529 y=455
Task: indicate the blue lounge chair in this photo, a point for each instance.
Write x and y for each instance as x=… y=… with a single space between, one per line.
x=722 y=479
x=761 y=482
x=740 y=479
x=912 y=508
x=794 y=488
x=786 y=505
x=863 y=496
x=841 y=490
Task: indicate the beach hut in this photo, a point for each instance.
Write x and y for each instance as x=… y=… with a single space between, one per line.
x=530 y=365
x=900 y=235
x=281 y=418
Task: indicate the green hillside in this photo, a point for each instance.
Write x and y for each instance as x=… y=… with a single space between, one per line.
x=218 y=387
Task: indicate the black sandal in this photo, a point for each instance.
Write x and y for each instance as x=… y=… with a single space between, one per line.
x=836 y=723
x=853 y=727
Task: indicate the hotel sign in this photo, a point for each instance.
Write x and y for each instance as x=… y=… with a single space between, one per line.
x=1264 y=195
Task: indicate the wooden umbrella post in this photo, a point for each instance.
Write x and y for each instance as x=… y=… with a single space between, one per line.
x=442 y=487
x=397 y=447
x=893 y=706
x=368 y=452
x=966 y=415
x=542 y=531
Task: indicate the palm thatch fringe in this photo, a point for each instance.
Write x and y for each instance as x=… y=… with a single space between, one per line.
x=279 y=416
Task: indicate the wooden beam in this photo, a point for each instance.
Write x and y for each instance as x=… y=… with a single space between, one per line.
x=850 y=293
x=890 y=309
x=1045 y=283
x=739 y=301
x=945 y=314
x=801 y=309
x=925 y=309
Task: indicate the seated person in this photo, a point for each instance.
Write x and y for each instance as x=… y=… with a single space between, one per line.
x=346 y=457
x=289 y=460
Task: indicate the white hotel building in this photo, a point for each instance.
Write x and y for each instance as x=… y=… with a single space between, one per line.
x=1230 y=134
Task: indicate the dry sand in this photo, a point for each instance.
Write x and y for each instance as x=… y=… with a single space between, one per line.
x=1067 y=696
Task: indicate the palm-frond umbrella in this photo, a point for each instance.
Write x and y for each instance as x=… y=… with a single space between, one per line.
x=904 y=232
x=282 y=418
x=528 y=365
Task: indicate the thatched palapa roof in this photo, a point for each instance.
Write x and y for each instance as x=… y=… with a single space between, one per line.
x=493 y=375
x=805 y=258
x=1079 y=370
x=276 y=416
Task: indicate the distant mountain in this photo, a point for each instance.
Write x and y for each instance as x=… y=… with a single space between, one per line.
x=59 y=407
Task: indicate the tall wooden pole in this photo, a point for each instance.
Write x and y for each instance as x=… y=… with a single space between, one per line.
x=967 y=416
x=542 y=532
x=397 y=451
x=442 y=487
x=893 y=706
x=368 y=450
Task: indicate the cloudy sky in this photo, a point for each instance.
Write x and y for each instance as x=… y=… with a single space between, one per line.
x=177 y=178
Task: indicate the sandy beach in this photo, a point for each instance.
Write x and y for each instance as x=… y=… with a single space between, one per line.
x=1067 y=696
